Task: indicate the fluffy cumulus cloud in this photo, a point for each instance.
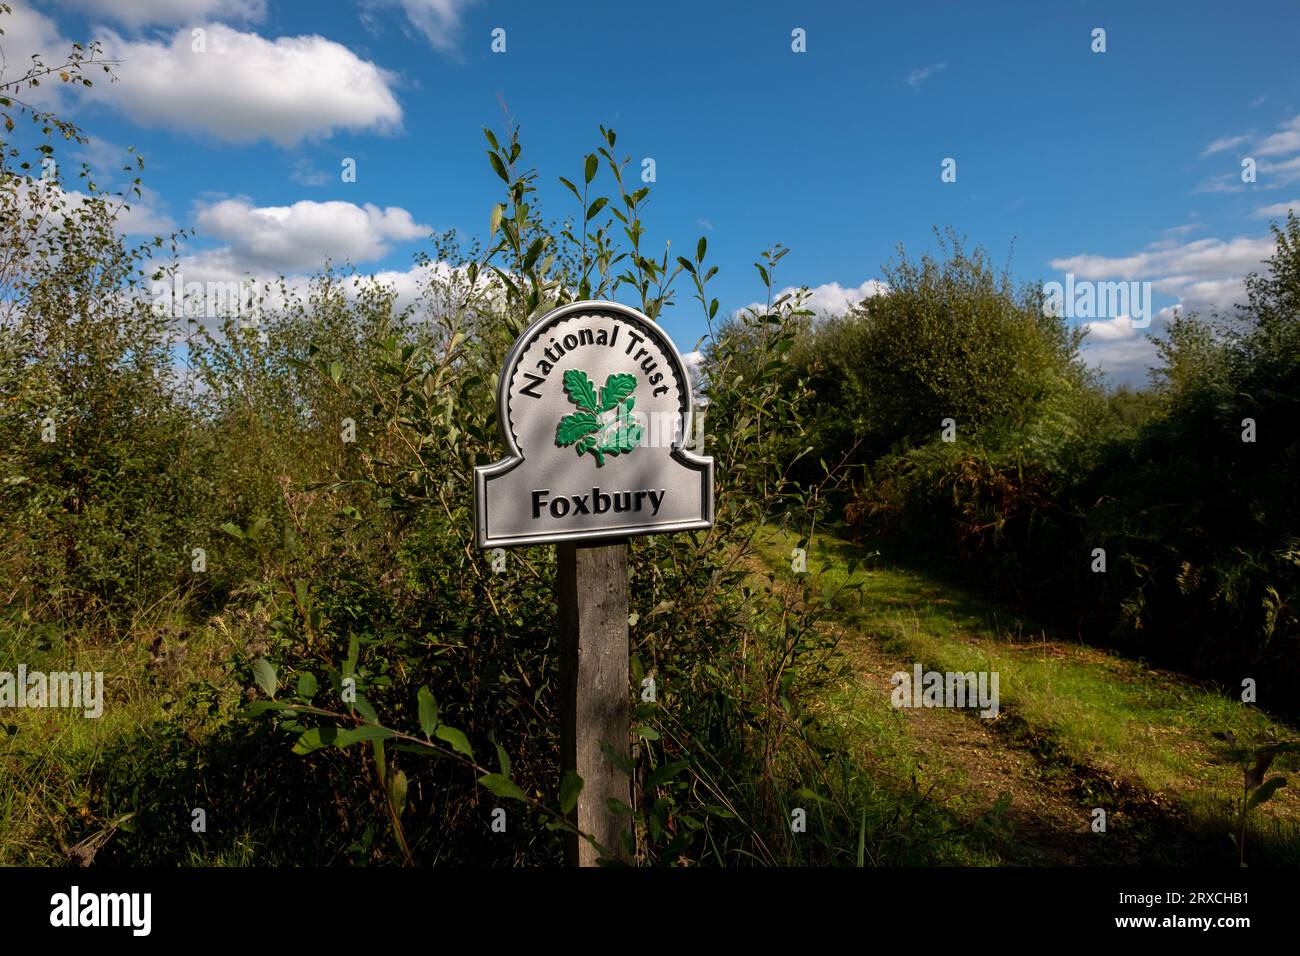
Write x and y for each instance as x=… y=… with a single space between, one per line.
x=135 y=13
x=28 y=32
x=831 y=298
x=263 y=243
x=241 y=87
x=1204 y=275
x=1124 y=353
x=133 y=216
x=694 y=362
x=272 y=239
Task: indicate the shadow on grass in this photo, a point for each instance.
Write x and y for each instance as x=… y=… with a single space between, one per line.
x=266 y=806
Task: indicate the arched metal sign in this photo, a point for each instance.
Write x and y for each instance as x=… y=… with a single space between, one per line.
x=594 y=406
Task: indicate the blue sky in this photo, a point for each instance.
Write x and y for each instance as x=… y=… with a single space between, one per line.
x=1122 y=165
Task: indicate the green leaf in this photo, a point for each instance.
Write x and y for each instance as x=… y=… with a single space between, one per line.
x=499 y=166
x=572 y=188
x=592 y=165
x=459 y=742
x=315 y=739
x=351 y=735
x=570 y=787
x=700 y=247
x=366 y=709
x=307 y=685
x=572 y=427
x=862 y=839
x=580 y=390
x=428 y=711
x=503 y=758
x=596 y=207
x=494 y=223
x=617 y=387
x=397 y=791
x=620 y=760
x=535 y=250
x=502 y=786
x=259 y=707
x=649 y=733
x=619 y=808
x=233 y=530
x=664 y=772
x=264 y=674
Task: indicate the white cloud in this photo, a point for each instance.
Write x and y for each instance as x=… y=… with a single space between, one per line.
x=1201 y=258
x=694 y=362
x=1224 y=142
x=438 y=21
x=304 y=173
x=245 y=88
x=273 y=239
x=1279 y=174
x=1125 y=354
x=135 y=13
x=28 y=32
x=205 y=287
x=144 y=217
x=1111 y=330
x=917 y=77
x=1278 y=210
x=1204 y=275
x=1285 y=140
x=831 y=298
x=1224 y=184
x=1274 y=169
x=133 y=216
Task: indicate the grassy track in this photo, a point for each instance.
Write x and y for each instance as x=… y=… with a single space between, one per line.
x=1079 y=728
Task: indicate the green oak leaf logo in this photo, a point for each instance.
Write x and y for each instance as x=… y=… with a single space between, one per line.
x=602 y=423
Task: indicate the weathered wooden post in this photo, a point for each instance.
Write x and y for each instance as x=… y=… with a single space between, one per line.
x=593 y=689
x=594 y=404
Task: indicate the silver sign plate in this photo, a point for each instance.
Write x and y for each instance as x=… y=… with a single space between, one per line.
x=595 y=407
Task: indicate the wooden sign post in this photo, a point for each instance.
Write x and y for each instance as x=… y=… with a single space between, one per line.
x=591 y=586
x=594 y=405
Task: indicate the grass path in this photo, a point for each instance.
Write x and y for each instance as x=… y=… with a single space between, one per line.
x=1078 y=728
